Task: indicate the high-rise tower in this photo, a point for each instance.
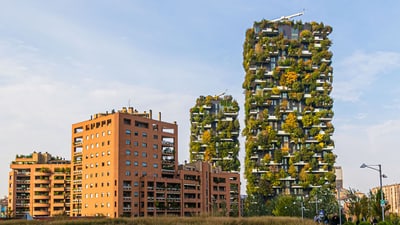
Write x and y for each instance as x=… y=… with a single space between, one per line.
x=288 y=108
x=215 y=131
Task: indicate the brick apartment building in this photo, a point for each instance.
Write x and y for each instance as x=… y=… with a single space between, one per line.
x=124 y=163
x=39 y=185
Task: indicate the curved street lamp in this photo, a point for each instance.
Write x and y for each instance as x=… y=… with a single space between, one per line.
x=382 y=203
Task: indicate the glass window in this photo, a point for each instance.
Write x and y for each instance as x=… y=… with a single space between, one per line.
x=135 y=163
x=155 y=165
x=128 y=162
x=135 y=153
x=128 y=152
x=127 y=131
x=144 y=154
x=144 y=145
x=155 y=146
x=128 y=142
x=144 y=134
x=144 y=164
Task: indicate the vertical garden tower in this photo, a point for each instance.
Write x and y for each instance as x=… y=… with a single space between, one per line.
x=288 y=108
x=215 y=131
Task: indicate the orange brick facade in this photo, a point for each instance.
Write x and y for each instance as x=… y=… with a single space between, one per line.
x=125 y=164
x=39 y=185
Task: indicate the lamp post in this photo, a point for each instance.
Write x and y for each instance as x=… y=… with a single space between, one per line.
x=382 y=203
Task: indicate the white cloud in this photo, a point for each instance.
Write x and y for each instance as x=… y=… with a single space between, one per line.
x=370 y=144
x=356 y=73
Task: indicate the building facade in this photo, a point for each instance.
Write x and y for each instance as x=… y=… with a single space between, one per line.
x=124 y=163
x=39 y=185
x=392 y=197
x=288 y=108
x=214 y=131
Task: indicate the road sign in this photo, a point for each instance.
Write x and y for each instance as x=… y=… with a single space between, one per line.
x=383 y=202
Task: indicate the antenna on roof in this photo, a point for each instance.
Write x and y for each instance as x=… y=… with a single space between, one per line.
x=288 y=17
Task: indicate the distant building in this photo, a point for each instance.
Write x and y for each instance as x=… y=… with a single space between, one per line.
x=339 y=177
x=214 y=131
x=124 y=163
x=392 y=197
x=39 y=185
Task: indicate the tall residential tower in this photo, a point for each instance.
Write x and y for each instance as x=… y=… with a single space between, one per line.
x=125 y=164
x=288 y=108
x=215 y=131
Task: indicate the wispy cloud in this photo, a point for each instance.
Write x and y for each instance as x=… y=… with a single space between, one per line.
x=355 y=74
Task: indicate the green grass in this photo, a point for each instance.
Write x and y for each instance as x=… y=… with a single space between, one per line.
x=169 y=221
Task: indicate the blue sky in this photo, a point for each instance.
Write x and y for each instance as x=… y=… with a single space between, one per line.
x=61 y=61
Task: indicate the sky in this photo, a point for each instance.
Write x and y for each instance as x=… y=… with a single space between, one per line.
x=62 y=61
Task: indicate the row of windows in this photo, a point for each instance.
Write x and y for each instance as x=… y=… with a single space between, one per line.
x=135 y=163
x=97 y=145
x=136 y=173
x=97 y=135
x=144 y=134
x=136 y=153
x=144 y=144
x=96 y=195
x=97 y=175
x=97 y=165
x=97 y=154
x=94 y=185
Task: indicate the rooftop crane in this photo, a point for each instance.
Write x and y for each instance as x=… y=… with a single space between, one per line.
x=288 y=17
x=223 y=93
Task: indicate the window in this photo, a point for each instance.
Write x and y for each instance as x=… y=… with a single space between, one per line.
x=155 y=165
x=144 y=154
x=128 y=162
x=135 y=163
x=144 y=164
x=155 y=156
x=135 y=143
x=127 y=121
x=136 y=133
x=128 y=152
x=144 y=145
x=144 y=134
x=135 y=183
x=155 y=146
x=128 y=142
x=127 y=173
x=144 y=173
x=155 y=136
x=127 y=131
x=136 y=194
x=135 y=153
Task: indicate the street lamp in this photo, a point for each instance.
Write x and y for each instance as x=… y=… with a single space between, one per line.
x=382 y=203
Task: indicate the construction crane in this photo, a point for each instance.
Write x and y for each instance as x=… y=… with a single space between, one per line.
x=288 y=17
x=223 y=93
